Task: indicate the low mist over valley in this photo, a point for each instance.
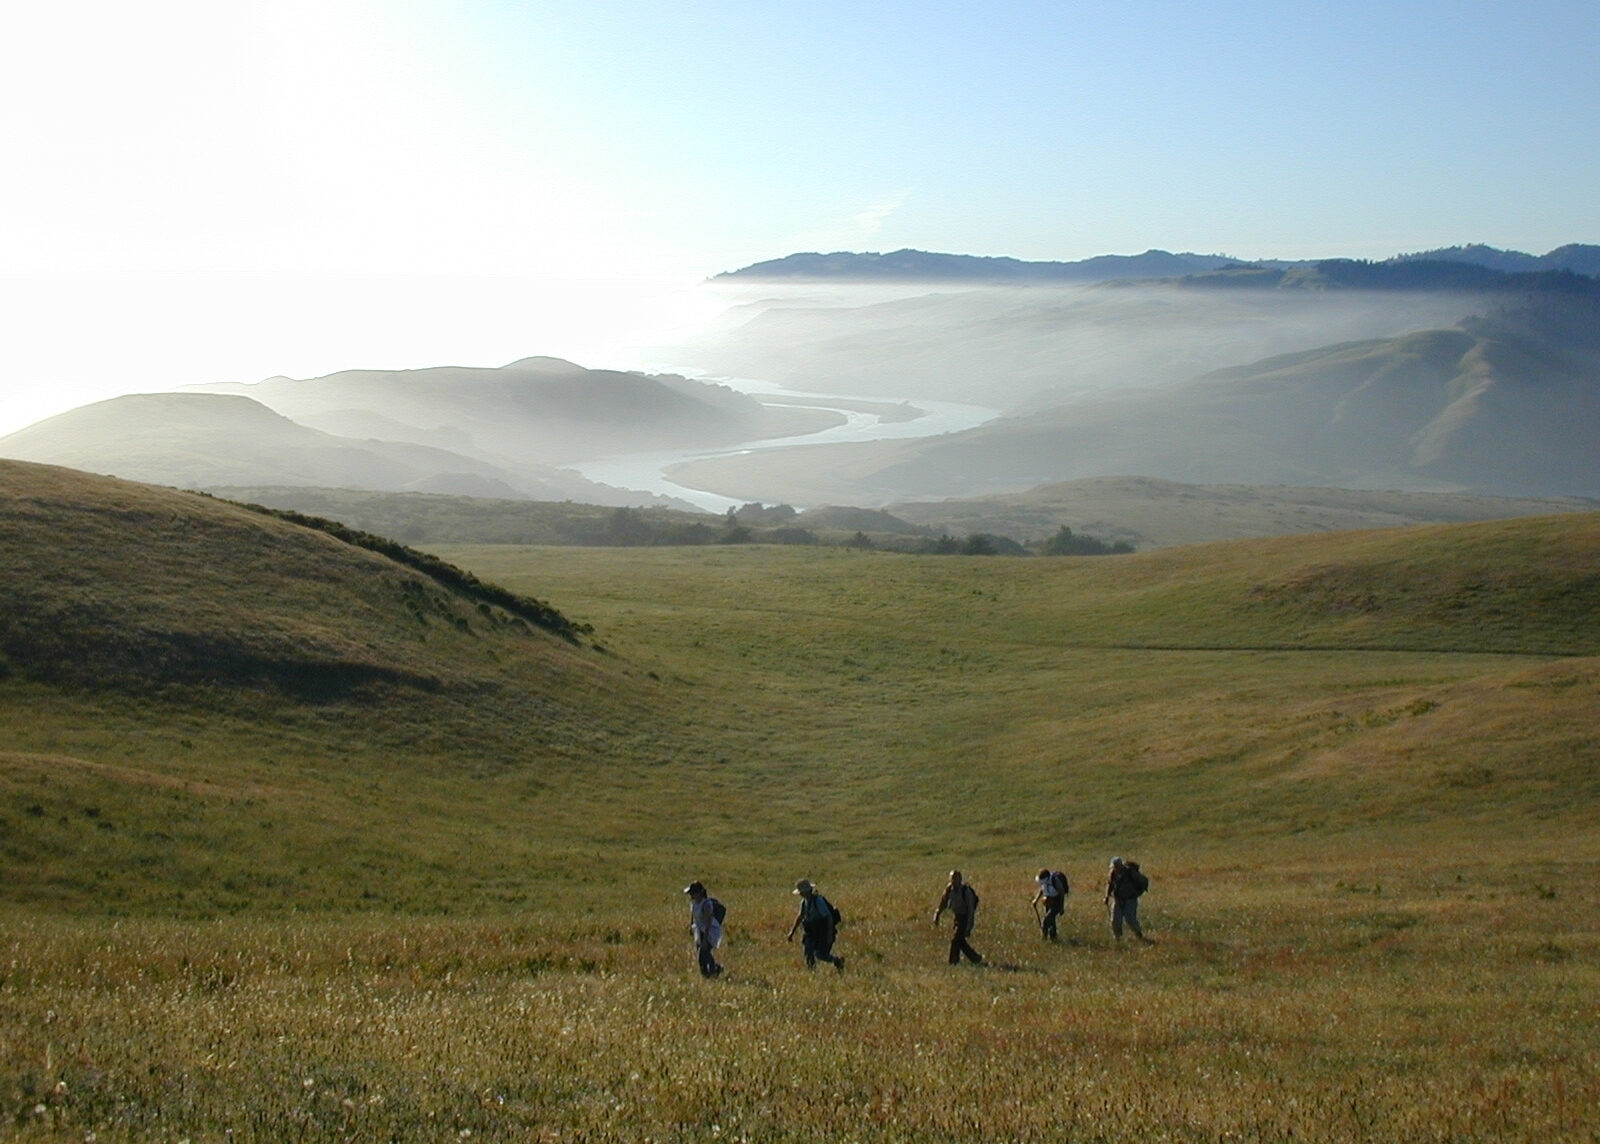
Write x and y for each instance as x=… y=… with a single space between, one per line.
x=868 y=380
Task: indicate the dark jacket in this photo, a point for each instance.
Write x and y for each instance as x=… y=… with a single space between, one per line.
x=1123 y=885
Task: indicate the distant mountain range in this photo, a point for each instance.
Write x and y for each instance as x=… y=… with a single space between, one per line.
x=924 y=266
x=1397 y=272
x=1577 y=258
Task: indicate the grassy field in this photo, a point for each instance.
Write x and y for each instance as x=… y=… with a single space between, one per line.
x=1362 y=771
x=1142 y=511
x=1151 y=513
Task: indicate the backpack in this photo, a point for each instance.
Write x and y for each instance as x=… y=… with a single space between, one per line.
x=718 y=911
x=1136 y=878
x=830 y=915
x=1058 y=883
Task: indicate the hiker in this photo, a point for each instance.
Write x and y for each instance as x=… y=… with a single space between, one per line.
x=1123 y=887
x=961 y=900
x=705 y=922
x=1053 y=890
x=821 y=922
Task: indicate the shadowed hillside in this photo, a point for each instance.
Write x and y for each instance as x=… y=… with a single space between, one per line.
x=1505 y=405
x=1477 y=410
x=204 y=706
x=113 y=586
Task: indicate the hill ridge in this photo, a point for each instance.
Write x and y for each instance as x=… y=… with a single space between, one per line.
x=921 y=265
x=112 y=584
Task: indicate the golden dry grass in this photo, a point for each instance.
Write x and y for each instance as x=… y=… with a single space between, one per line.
x=1409 y=999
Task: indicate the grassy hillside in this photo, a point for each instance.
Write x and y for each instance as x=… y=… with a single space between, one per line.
x=204 y=707
x=443 y=903
x=169 y=654
x=1210 y=679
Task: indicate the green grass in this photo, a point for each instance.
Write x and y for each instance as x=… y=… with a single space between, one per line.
x=1362 y=771
x=1153 y=513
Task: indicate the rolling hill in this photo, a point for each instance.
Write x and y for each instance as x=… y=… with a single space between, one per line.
x=541 y=410
x=1577 y=258
x=204 y=707
x=203 y=440
x=1506 y=405
x=1442 y=409
x=1024 y=348
x=118 y=586
x=1362 y=769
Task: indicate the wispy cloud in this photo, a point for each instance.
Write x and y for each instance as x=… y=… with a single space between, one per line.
x=869 y=222
x=850 y=228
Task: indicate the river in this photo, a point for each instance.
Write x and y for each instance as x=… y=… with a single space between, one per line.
x=864 y=419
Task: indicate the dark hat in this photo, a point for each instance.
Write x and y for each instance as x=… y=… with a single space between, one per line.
x=695 y=887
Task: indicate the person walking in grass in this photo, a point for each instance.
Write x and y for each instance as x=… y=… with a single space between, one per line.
x=705 y=922
x=962 y=901
x=820 y=923
x=1052 y=893
x=1123 y=886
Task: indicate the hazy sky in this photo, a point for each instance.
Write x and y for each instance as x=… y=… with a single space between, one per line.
x=200 y=191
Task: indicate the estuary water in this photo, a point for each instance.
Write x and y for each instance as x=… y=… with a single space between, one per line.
x=862 y=419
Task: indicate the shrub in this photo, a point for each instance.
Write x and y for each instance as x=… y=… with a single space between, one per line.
x=1067 y=543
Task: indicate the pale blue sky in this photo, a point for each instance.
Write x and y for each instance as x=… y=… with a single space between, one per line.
x=196 y=180
x=1063 y=130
